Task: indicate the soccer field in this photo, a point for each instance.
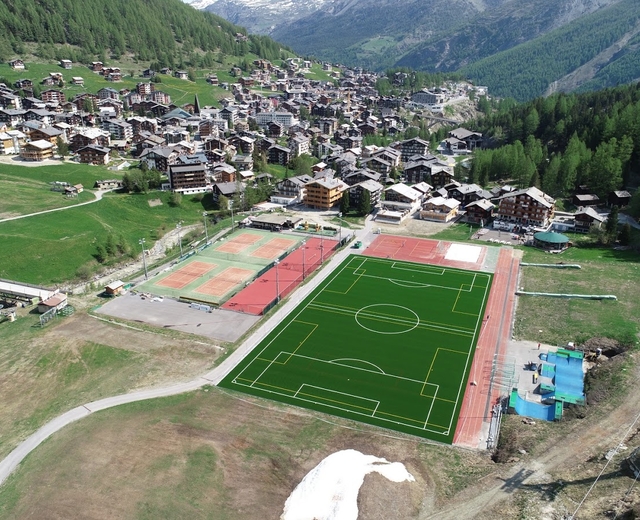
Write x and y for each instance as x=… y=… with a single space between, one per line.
x=380 y=341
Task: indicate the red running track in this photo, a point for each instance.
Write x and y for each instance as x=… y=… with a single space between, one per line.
x=494 y=336
x=262 y=292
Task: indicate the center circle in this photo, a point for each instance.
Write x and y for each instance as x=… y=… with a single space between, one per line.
x=387 y=318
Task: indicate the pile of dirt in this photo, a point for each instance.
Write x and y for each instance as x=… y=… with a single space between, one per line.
x=607 y=346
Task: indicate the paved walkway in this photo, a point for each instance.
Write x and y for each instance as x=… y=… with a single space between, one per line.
x=11 y=462
x=98 y=195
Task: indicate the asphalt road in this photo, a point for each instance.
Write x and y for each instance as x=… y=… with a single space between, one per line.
x=11 y=462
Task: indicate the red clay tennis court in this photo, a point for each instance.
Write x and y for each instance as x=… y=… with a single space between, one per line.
x=239 y=243
x=223 y=282
x=274 y=248
x=185 y=275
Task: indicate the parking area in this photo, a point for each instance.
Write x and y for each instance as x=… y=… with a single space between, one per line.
x=219 y=324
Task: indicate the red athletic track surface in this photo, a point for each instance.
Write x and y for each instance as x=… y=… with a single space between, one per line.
x=419 y=250
x=478 y=400
x=496 y=325
x=261 y=293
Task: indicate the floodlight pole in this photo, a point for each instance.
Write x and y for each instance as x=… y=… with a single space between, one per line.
x=231 y=206
x=277 y=282
x=321 y=248
x=178 y=227
x=340 y=224
x=206 y=231
x=144 y=260
x=304 y=246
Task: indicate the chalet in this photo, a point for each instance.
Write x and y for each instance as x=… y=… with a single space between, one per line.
x=400 y=202
x=358 y=176
x=441 y=175
x=159 y=158
x=47 y=133
x=66 y=64
x=114 y=288
x=17 y=64
x=224 y=172
x=378 y=164
x=242 y=162
x=299 y=144
x=11 y=141
x=472 y=140
x=466 y=193
x=108 y=93
x=10 y=101
x=439 y=209
x=279 y=155
x=324 y=193
x=373 y=188
x=12 y=117
x=227 y=189
x=37 y=151
x=586 y=218
x=53 y=96
x=181 y=74
x=24 y=83
x=619 y=198
x=88 y=136
x=274 y=129
x=94 y=154
x=291 y=190
x=96 y=66
x=188 y=178
x=586 y=199
x=479 y=211
x=415 y=146
x=530 y=207
x=144 y=89
x=77 y=80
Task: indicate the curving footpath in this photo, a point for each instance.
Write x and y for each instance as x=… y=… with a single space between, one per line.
x=98 y=195
x=213 y=377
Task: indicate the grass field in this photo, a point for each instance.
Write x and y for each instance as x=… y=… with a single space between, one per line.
x=27 y=189
x=57 y=244
x=556 y=321
x=383 y=342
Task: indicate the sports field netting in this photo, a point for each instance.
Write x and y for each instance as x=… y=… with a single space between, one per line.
x=381 y=341
x=217 y=272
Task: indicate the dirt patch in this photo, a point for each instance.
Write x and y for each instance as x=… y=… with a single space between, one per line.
x=155 y=202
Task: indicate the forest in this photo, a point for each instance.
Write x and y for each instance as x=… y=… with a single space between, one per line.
x=163 y=31
x=526 y=71
x=563 y=141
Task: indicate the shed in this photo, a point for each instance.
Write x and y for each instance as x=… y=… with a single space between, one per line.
x=550 y=241
x=114 y=288
x=57 y=301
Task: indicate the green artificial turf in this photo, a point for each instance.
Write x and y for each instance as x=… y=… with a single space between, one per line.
x=380 y=341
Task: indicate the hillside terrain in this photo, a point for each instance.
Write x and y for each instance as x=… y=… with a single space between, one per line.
x=566 y=45
x=164 y=31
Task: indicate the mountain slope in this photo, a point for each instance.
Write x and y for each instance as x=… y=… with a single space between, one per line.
x=496 y=30
x=150 y=29
x=528 y=70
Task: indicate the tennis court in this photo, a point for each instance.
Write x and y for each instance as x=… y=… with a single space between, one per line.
x=381 y=341
x=214 y=274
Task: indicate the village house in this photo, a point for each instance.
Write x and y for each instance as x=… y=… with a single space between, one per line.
x=479 y=211
x=17 y=64
x=188 y=178
x=440 y=209
x=324 y=193
x=585 y=218
x=356 y=192
x=529 y=207
x=37 y=151
x=291 y=190
x=94 y=154
x=471 y=140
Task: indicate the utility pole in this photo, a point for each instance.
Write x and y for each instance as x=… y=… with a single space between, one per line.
x=231 y=205
x=178 y=227
x=144 y=259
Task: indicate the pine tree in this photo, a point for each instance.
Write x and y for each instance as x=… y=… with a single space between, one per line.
x=344 y=203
